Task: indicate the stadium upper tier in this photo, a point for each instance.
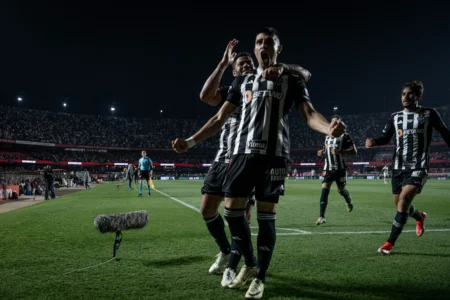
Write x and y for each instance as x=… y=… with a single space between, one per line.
x=22 y=124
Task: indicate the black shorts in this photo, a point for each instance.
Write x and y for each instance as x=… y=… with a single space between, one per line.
x=338 y=176
x=265 y=174
x=214 y=179
x=400 y=178
x=145 y=174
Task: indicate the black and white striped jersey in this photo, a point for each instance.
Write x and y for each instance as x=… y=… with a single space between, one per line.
x=413 y=132
x=335 y=162
x=228 y=131
x=263 y=125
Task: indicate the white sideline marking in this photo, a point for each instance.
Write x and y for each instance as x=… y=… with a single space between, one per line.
x=179 y=201
x=294 y=231
x=381 y=231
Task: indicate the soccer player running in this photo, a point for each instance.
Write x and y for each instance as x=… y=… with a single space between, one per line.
x=260 y=152
x=412 y=128
x=335 y=149
x=386 y=174
x=212 y=194
x=146 y=171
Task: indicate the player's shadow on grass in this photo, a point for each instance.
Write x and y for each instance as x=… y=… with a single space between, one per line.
x=176 y=261
x=285 y=286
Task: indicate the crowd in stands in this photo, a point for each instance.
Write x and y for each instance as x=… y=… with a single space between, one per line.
x=95 y=130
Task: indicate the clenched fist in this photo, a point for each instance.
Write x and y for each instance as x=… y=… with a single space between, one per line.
x=370 y=143
x=180 y=145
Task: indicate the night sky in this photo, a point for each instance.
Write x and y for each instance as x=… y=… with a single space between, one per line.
x=147 y=57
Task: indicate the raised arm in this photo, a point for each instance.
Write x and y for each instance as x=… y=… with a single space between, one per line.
x=210 y=92
x=440 y=126
x=215 y=123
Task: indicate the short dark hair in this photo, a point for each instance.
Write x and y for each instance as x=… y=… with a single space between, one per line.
x=335 y=116
x=271 y=31
x=240 y=54
x=416 y=87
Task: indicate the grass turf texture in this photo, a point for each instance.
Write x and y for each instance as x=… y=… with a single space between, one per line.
x=170 y=257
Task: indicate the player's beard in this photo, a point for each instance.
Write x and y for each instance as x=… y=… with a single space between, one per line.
x=410 y=105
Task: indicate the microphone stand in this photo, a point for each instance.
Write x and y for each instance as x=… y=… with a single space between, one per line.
x=117 y=241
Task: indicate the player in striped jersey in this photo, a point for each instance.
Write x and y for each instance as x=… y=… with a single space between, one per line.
x=260 y=152
x=386 y=174
x=212 y=194
x=335 y=168
x=412 y=128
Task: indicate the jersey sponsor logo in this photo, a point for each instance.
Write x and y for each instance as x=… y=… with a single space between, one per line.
x=276 y=95
x=277 y=174
x=257 y=145
x=411 y=131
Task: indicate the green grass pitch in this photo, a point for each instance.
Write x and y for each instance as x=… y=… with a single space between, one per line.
x=170 y=257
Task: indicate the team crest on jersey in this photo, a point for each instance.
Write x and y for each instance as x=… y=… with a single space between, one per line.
x=422 y=119
x=257 y=145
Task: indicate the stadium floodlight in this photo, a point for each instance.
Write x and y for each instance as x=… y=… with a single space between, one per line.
x=335 y=108
x=113 y=108
x=19 y=99
x=161 y=111
x=64 y=104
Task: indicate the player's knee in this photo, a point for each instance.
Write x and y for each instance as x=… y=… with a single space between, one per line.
x=263 y=207
x=207 y=212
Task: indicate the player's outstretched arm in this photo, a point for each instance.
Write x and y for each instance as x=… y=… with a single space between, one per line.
x=385 y=137
x=317 y=122
x=209 y=129
x=440 y=127
x=209 y=93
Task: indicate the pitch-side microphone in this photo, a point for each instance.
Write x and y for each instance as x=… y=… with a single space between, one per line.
x=119 y=222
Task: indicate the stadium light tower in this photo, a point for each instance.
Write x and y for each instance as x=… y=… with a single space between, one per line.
x=113 y=109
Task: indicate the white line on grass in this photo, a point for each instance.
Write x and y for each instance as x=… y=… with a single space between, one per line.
x=179 y=201
x=294 y=231
x=380 y=231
